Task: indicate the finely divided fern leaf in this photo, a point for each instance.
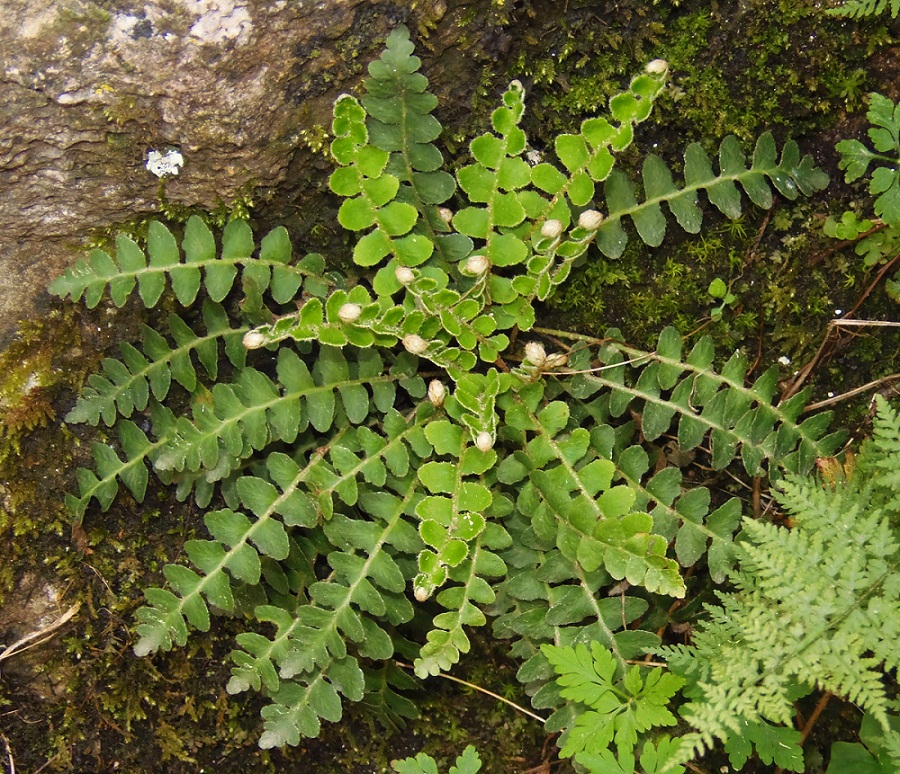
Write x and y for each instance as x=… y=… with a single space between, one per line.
x=816 y=604
x=856 y=9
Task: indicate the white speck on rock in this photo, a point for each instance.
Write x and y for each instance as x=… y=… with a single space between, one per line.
x=123 y=25
x=164 y=164
x=219 y=20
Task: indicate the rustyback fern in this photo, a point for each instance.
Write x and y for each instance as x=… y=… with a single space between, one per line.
x=363 y=446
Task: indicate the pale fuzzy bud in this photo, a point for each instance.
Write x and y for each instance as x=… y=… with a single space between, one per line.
x=657 y=66
x=349 y=312
x=421 y=594
x=437 y=392
x=445 y=214
x=414 y=344
x=404 y=275
x=254 y=340
x=476 y=265
x=484 y=441
x=535 y=354
x=552 y=228
x=556 y=360
x=590 y=220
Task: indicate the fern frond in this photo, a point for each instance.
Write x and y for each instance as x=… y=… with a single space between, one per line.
x=682 y=516
x=790 y=176
x=388 y=529
x=235 y=552
x=882 y=452
x=448 y=639
x=548 y=598
x=399 y=121
x=127 y=384
x=467 y=763
x=705 y=403
x=615 y=707
x=271 y=270
x=347 y=611
x=139 y=451
x=296 y=709
x=575 y=504
x=817 y=604
x=247 y=415
x=856 y=9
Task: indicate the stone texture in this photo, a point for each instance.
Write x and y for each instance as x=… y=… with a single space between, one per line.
x=90 y=87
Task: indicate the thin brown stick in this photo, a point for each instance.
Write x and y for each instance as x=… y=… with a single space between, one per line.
x=794 y=387
x=844 y=320
x=820 y=706
x=842 y=323
x=699 y=328
x=878 y=277
x=807 y=726
x=474 y=687
x=757 y=508
x=759 y=343
x=40 y=636
x=9 y=756
x=751 y=253
x=851 y=393
x=821 y=256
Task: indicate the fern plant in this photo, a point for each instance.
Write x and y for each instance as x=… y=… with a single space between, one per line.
x=467 y=763
x=365 y=445
x=815 y=606
x=878 y=238
x=617 y=710
x=856 y=9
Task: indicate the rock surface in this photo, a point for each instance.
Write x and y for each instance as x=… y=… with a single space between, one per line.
x=91 y=87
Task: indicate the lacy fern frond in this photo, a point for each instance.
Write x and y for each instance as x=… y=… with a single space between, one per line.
x=856 y=9
x=616 y=709
x=816 y=604
x=467 y=763
x=856 y=158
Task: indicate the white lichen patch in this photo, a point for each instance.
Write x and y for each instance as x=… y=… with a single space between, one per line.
x=164 y=163
x=219 y=20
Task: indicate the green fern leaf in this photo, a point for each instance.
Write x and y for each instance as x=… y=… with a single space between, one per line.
x=856 y=9
x=618 y=707
x=734 y=416
x=831 y=602
x=130 y=268
x=467 y=763
x=138 y=449
x=127 y=384
x=790 y=176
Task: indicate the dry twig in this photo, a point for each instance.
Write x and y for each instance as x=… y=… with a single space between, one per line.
x=40 y=636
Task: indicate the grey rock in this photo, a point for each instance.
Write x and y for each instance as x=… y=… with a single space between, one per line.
x=91 y=87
